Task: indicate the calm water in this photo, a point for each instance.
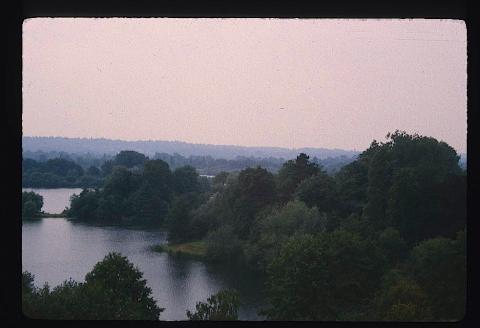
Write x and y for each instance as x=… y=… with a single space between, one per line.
x=56 y=249
x=55 y=200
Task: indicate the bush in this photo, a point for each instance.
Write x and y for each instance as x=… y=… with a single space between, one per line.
x=221 y=307
x=113 y=290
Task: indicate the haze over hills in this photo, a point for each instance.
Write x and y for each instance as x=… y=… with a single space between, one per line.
x=149 y=148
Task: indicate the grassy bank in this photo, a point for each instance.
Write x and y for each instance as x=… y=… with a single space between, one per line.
x=195 y=249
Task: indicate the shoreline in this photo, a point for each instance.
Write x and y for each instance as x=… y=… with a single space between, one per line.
x=194 y=249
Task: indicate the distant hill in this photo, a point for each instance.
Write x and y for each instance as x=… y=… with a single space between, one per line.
x=149 y=148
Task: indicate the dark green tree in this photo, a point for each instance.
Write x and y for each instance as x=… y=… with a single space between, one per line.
x=185 y=179
x=439 y=267
x=223 y=244
x=32 y=204
x=400 y=298
x=129 y=158
x=392 y=245
x=85 y=205
x=179 y=220
x=273 y=229
x=221 y=306
x=121 y=183
x=113 y=290
x=319 y=190
x=292 y=173
x=352 y=184
x=253 y=191
x=322 y=277
x=93 y=171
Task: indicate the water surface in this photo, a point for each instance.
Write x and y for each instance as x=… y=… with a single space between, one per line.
x=55 y=249
x=55 y=200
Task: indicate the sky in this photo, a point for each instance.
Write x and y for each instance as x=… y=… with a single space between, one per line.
x=330 y=83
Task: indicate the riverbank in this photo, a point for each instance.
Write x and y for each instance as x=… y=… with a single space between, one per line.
x=52 y=215
x=44 y=215
x=194 y=249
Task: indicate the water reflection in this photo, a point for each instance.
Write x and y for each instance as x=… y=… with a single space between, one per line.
x=57 y=249
x=55 y=200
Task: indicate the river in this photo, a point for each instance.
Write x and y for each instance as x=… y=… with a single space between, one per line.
x=55 y=249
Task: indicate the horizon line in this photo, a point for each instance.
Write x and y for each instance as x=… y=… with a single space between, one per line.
x=194 y=143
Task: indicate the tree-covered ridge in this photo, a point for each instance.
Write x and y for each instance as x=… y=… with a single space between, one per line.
x=96 y=146
x=382 y=239
x=58 y=173
x=89 y=169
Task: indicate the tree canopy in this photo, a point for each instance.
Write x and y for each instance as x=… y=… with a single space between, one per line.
x=113 y=290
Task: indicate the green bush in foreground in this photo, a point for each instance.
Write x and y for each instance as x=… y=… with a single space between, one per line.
x=113 y=290
x=221 y=307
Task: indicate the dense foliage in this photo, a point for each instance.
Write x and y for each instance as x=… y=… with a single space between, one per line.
x=221 y=306
x=382 y=239
x=32 y=204
x=136 y=193
x=362 y=244
x=213 y=166
x=58 y=173
x=113 y=290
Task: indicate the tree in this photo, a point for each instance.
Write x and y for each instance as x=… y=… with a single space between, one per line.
x=28 y=289
x=121 y=183
x=84 y=206
x=253 y=191
x=180 y=217
x=32 y=204
x=185 y=179
x=113 y=290
x=220 y=178
x=149 y=204
x=392 y=245
x=273 y=229
x=379 y=175
x=322 y=277
x=439 y=266
x=129 y=158
x=128 y=292
x=292 y=173
x=401 y=299
x=107 y=167
x=223 y=244
x=157 y=175
x=318 y=190
x=352 y=184
x=93 y=171
x=221 y=306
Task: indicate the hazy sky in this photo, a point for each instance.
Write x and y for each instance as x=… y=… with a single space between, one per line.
x=254 y=82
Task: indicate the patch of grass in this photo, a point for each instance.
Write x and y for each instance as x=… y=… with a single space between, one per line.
x=194 y=249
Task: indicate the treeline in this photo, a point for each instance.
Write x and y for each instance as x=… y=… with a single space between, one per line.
x=208 y=165
x=113 y=290
x=382 y=239
x=85 y=160
x=136 y=194
x=58 y=173
x=150 y=147
x=37 y=171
